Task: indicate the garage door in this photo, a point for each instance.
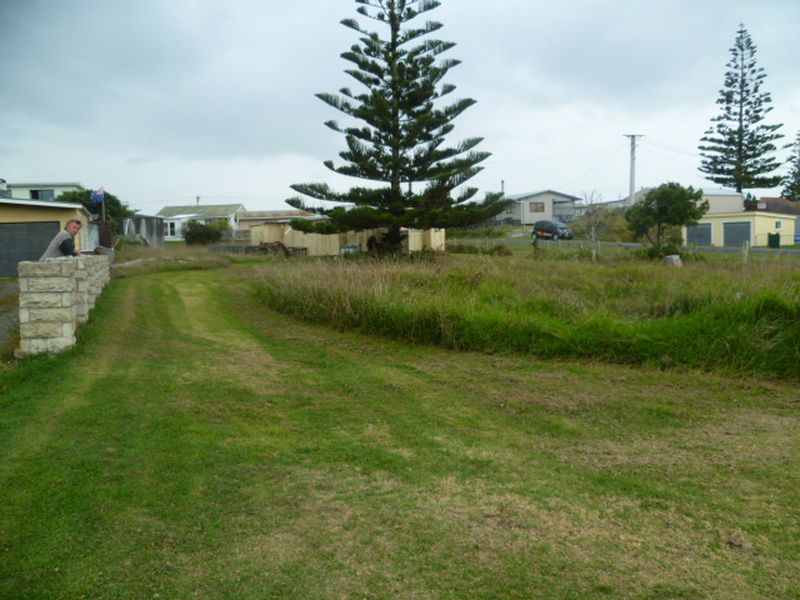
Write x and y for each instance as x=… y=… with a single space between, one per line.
x=699 y=234
x=735 y=234
x=23 y=241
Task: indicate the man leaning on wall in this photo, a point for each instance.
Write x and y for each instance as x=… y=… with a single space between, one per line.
x=63 y=244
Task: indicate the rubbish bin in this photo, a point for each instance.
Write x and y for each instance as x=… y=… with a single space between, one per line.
x=773 y=240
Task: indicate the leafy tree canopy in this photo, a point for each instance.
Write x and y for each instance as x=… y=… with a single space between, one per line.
x=736 y=148
x=670 y=204
x=116 y=211
x=399 y=144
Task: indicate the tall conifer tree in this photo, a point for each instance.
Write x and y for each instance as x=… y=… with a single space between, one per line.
x=400 y=140
x=791 y=183
x=736 y=148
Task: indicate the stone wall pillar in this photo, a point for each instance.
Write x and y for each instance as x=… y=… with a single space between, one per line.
x=47 y=319
x=55 y=297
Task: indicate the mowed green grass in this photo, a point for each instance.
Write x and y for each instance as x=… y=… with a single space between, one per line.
x=196 y=444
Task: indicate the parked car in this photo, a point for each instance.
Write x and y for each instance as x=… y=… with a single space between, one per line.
x=551 y=230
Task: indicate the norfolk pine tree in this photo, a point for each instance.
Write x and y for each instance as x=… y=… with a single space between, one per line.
x=736 y=148
x=791 y=184
x=400 y=141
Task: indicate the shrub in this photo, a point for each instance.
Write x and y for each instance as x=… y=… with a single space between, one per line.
x=476 y=232
x=612 y=226
x=197 y=234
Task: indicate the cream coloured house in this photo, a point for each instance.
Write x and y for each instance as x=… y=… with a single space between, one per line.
x=544 y=205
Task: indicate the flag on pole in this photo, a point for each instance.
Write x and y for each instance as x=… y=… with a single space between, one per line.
x=98 y=195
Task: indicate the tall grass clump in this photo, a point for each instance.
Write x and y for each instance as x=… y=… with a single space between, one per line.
x=741 y=318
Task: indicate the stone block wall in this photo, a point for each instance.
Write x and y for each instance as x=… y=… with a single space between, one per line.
x=55 y=297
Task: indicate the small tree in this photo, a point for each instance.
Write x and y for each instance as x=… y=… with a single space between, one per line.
x=116 y=211
x=668 y=205
x=736 y=148
x=593 y=214
x=400 y=141
x=791 y=183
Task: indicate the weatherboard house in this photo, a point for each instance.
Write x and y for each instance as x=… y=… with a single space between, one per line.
x=538 y=206
x=44 y=192
x=176 y=217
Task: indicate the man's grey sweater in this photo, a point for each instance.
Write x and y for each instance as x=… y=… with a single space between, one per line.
x=61 y=245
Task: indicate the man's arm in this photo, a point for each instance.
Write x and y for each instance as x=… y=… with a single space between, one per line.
x=67 y=247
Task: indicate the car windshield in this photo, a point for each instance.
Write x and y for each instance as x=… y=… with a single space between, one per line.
x=558 y=223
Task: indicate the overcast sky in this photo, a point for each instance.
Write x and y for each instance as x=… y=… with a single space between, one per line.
x=160 y=102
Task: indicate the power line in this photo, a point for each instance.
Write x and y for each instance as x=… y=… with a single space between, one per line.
x=665 y=146
x=557 y=156
x=593 y=169
x=670 y=158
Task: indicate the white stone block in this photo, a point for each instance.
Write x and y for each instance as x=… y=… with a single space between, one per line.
x=39 y=269
x=29 y=331
x=52 y=315
x=673 y=260
x=52 y=284
x=46 y=346
x=68 y=267
x=40 y=300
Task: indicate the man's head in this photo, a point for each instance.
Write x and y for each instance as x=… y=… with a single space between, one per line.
x=73 y=227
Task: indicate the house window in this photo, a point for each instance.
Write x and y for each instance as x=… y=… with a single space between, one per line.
x=169 y=229
x=46 y=195
x=536 y=207
x=778 y=224
x=510 y=209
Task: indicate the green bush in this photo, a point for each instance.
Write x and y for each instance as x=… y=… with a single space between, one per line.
x=198 y=234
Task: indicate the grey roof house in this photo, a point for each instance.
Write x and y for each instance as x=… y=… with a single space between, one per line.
x=175 y=217
x=544 y=205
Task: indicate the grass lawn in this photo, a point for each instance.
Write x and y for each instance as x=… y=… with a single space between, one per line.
x=714 y=313
x=196 y=444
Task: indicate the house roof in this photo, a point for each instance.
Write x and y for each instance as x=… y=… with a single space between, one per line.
x=748 y=214
x=207 y=211
x=44 y=204
x=775 y=205
x=539 y=193
x=40 y=184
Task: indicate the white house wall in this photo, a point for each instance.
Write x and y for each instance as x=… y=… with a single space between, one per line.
x=724 y=204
